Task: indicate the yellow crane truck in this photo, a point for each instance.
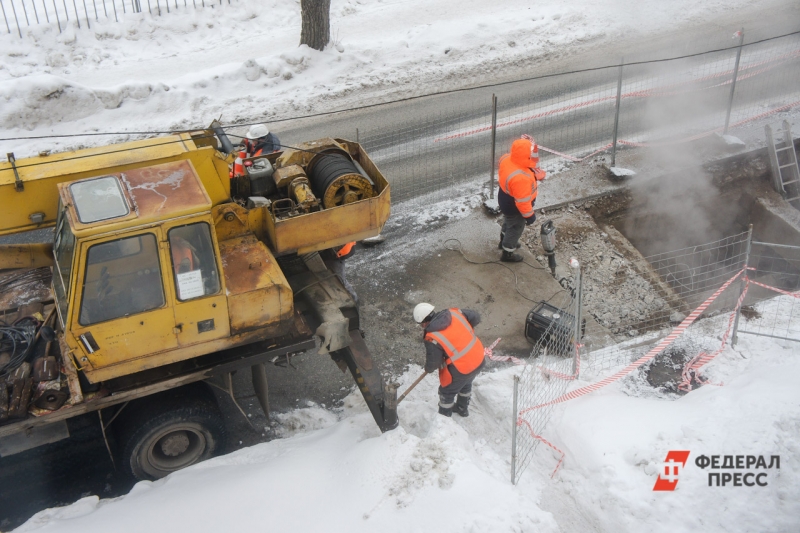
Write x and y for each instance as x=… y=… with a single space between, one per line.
x=167 y=272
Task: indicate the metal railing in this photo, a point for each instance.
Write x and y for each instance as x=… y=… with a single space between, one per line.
x=19 y=14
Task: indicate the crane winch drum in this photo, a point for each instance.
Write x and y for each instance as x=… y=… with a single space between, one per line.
x=337 y=180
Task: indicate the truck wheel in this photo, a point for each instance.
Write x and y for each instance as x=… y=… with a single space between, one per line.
x=170 y=431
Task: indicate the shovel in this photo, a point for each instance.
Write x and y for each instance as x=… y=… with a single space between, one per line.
x=400 y=399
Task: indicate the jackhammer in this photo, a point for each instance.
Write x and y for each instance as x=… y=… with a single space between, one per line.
x=548 y=236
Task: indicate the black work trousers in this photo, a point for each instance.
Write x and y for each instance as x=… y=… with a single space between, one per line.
x=513 y=226
x=461 y=385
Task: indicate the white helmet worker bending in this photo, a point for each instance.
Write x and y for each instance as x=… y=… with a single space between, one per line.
x=259 y=141
x=257 y=131
x=422 y=312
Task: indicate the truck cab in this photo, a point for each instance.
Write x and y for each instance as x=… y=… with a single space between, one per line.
x=144 y=280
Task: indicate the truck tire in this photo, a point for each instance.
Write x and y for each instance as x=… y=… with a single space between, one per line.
x=170 y=431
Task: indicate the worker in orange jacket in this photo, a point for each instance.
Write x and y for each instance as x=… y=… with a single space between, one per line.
x=452 y=347
x=518 y=178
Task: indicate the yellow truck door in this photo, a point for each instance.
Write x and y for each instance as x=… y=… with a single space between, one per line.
x=197 y=285
x=122 y=312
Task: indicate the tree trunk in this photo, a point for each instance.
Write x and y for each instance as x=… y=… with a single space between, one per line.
x=316 y=31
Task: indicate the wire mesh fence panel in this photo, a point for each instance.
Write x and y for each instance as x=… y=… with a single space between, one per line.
x=662 y=103
x=680 y=280
x=555 y=359
x=768 y=312
x=690 y=283
x=570 y=116
x=665 y=103
x=429 y=155
x=768 y=80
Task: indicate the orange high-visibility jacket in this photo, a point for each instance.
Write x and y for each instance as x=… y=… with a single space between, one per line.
x=518 y=175
x=463 y=349
x=182 y=258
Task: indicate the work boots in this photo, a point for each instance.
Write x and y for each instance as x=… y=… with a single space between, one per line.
x=510 y=257
x=446 y=411
x=500 y=244
x=462 y=406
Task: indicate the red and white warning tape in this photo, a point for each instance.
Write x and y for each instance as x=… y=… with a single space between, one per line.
x=501 y=358
x=521 y=421
x=692 y=369
x=569 y=377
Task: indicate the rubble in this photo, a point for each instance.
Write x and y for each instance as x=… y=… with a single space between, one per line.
x=614 y=292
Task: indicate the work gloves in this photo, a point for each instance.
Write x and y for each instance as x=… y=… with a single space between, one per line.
x=530 y=220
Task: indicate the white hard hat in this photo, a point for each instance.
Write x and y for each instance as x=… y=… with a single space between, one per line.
x=257 y=131
x=421 y=312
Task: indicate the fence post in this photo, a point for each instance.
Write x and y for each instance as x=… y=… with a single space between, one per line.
x=616 y=114
x=58 y=19
x=578 y=318
x=514 y=434
x=4 y=16
x=77 y=17
x=494 y=139
x=733 y=82
x=734 y=336
x=14 y=9
x=86 y=12
x=25 y=10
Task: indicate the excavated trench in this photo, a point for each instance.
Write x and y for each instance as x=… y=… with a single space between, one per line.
x=633 y=282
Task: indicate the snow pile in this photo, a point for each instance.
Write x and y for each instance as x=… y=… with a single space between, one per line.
x=439 y=474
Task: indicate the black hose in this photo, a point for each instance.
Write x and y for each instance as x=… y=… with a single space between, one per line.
x=19 y=342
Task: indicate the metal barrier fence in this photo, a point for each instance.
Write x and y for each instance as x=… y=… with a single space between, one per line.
x=778 y=266
x=734 y=275
x=19 y=14
x=681 y=280
x=555 y=361
x=667 y=104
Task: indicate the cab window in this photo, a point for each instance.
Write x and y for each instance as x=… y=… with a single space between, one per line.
x=122 y=278
x=194 y=264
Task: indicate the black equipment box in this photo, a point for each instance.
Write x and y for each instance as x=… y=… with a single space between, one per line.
x=542 y=316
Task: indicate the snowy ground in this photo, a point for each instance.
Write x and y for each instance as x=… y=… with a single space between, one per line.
x=334 y=471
